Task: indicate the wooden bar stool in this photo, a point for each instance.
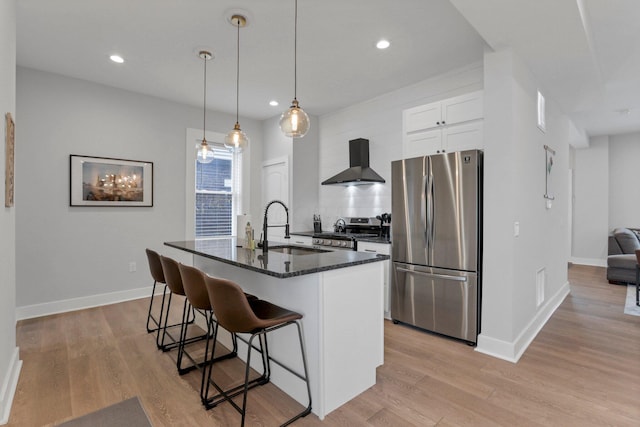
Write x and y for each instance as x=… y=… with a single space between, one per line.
x=174 y=282
x=236 y=314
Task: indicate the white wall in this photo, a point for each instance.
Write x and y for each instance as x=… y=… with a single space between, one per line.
x=380 y=121
x=624 y=191
x=605 y=193
x=591 y=203
x=305 y=168
x=9 y=354
x=68 y=253
x=302 y=154
x=514 y=187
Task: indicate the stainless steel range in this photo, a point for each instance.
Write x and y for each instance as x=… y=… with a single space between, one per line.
x=347 y=231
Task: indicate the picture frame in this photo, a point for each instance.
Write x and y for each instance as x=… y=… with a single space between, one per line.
x=10 y=130
x=105 y=181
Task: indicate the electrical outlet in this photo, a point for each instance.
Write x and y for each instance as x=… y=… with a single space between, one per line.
x=132 y=267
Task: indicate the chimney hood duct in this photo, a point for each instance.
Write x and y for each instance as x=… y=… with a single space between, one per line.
x=359 y=172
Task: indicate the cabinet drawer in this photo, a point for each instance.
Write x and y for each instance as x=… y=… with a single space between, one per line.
x=379 y=248
x=300 y=240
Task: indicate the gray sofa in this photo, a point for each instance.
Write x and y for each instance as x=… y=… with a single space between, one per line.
x=621 y=262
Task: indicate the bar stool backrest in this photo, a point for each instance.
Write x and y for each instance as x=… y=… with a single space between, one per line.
x=155 y=266
x=231 y=306
x=172 y=275
x=194 y=287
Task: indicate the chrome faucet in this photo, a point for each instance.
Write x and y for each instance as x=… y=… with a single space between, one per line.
x=265 y=224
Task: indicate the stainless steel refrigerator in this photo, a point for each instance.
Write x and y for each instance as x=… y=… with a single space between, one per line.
x=436 y=243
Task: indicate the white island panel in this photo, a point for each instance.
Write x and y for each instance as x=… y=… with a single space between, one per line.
x=342 y=327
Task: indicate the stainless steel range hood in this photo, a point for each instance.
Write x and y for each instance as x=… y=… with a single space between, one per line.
x=359 y=172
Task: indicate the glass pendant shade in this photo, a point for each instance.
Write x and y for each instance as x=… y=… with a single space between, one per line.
x=204 y=153
x=236 y=140
x=294 y=122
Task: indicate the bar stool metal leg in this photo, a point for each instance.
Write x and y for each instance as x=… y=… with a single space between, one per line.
x=150 y=317
x=306 y=411
x=210 y=402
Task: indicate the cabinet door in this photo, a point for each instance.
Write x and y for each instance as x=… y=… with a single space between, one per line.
x=462 y=108
x=422 y=144
x=422 y=117
x=463 y=137
x=385 y=249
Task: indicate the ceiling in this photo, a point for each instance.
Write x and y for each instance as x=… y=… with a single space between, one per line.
x=585 y=53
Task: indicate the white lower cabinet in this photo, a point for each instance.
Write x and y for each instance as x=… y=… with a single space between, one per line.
x=384 y=249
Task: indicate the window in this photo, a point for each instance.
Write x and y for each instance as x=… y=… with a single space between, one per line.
x=214 y=195
x=212 y=190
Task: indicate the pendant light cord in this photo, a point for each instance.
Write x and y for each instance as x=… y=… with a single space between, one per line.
x=295 y=52
x=238 y=73
x=204 y=106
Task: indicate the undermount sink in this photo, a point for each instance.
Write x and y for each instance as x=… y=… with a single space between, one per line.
x=296 y=250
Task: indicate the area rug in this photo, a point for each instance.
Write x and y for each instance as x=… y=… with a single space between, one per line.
x=128 y=413
x=630 y=306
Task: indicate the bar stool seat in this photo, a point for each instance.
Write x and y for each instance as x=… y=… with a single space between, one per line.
x=237 y=314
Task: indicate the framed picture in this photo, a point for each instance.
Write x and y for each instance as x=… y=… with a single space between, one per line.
x=9 y=160
x=101 y=181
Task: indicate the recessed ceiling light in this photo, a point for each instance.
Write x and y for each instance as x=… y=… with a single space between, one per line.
x=116 y=58
x=383 y=44
x=273 y=103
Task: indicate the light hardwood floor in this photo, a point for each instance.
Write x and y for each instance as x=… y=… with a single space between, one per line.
x=583 y=369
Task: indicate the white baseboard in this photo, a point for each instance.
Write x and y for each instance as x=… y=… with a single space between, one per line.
x=596 y=262
x=512 y=351
x=9 y=385
x=62 y=306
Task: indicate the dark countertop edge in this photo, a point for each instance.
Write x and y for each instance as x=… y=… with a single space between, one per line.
x=281 y=275
x=380 y=240
x=302 y=233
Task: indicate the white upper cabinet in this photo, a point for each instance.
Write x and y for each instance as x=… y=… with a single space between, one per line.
x=452 y=124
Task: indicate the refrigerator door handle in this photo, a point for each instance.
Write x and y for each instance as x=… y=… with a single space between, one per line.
x=423 y=210
x=431 y=211
x=434 y=275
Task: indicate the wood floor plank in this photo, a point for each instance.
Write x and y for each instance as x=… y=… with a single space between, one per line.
x=582 y=369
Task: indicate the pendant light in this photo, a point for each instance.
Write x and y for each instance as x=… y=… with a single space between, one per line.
x=204 y=151
x=237 y=140
x=295 y=122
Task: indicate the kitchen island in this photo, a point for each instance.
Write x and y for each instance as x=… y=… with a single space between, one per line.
x=340 y=295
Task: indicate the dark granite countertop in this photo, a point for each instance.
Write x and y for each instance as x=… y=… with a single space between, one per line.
x=274 y=263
